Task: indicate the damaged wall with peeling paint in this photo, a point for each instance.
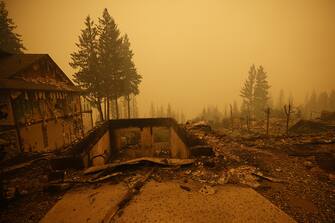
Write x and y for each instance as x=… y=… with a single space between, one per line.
x=40 y=104
x=9 y=147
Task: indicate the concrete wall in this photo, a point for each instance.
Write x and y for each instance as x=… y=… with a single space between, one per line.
x=99 y=152
x=178 y=147
x=174 y=147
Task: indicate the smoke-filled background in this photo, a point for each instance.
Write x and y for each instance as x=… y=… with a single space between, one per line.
x=194 y=53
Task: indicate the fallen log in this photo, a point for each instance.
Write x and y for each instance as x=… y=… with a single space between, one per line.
x=155 y=160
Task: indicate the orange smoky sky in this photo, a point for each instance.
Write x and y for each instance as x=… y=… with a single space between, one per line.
x=193 y=53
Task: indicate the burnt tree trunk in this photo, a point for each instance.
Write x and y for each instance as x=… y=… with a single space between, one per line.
x=100 y=110
x=105 y=108
x=287 y=110
x=231 y=118
x=267 y=121
x=108 y=109
x=128 y=104
x=116 y=107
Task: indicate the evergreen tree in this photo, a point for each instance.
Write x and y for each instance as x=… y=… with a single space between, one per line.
x=161 y=111
x=332 y=101
x=125 y=107
x=312 y=104
x=135 y=108
x=169 y=111
x=182 y=117
x=105 y=68
x=261 y=92
x=152 y=110
x=9 y=40
x=85 y=62
x=243 y=109
x=281 y=100
x=323 y=101
x=305 y=108
x=110 y=60
x=177 y=116
x=235 y=109
x=247 y=91
x=129 y=77
x=291 y=99
x=270 y=101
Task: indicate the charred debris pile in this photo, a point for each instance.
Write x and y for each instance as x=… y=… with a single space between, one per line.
x=194 y=153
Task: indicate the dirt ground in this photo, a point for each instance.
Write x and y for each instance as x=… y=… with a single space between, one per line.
x=299 y=174
x=306 y=164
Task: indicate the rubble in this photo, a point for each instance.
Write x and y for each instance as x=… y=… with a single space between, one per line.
x=308 y=164
x=185 y=188
x=201 y=150
x=274 y=166
x=57 y=187
x=207 y=190
x=243 y=175
x=311 y=127
x=155 y=160
x=201 y=125
x=327 y=116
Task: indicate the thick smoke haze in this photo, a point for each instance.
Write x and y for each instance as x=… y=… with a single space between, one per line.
x=193 y=53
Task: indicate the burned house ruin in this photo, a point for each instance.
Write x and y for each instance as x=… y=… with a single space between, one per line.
x=41 y=110
x=126 y=139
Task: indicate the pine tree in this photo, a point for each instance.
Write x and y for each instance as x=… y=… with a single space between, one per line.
x=291 y=99
x=247 y=91
x=182 y=117
x=323 y=101
x=332 y=101
x=169 y=111
x=281 y=100
x=10 y=41
x=152 y=110
x=305 y=108
x=130 y=79
x=135 y=108
x=261 y=92
x=270 y=101
x=312 y=104
x=161 y=111
x=235 y=109
x=85 y=62
x=109 y=53
x=243 y=109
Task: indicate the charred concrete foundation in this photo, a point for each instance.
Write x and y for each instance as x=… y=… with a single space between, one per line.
x=125 y=139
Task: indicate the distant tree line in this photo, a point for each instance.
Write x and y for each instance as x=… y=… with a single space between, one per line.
x=105 y=68
x=10 y=41
x=211 y=114
x=169 y=112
